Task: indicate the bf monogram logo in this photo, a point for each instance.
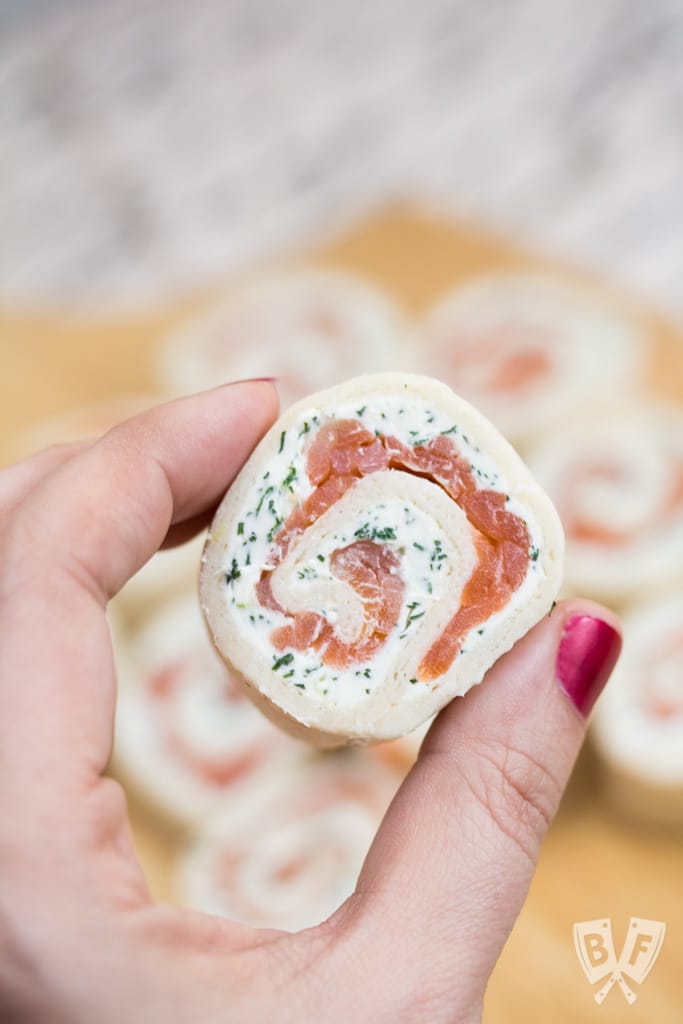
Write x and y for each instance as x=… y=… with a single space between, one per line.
x=595 y=950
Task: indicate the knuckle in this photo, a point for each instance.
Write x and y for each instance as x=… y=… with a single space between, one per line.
x=518 y=792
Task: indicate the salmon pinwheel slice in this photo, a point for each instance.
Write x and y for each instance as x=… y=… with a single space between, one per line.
x=637 y=728
x=617 y=482
x=186 y=736
x=530 y=350
x=382 y=547
x=307 y=327
x=288 y=854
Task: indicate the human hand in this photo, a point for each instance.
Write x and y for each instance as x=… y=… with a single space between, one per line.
x=80 y=939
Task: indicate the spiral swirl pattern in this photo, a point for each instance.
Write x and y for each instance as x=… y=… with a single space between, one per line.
x=381 y=548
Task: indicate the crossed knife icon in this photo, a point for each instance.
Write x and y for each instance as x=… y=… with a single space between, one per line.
x=595 y=949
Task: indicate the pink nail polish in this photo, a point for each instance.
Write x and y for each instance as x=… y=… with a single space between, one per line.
x=588 y=652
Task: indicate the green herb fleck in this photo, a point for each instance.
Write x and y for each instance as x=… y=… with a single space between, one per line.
x=234 y=573
x=283 y=435
x=437 y=556
x=268 y=490
x=274 y=529
x=240 y=529
x=366 y=532
x=307 y=573
x=286 y=659
x=290 y=478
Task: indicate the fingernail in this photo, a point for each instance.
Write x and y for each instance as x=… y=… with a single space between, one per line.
x=254 y=380
x=588 y=652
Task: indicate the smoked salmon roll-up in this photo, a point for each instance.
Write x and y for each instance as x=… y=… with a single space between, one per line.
x=617 y=482
x=382 y=547
x=308 y=328
x=288 y=855
x=637 y=727
x=186 y=737
x=530 y=350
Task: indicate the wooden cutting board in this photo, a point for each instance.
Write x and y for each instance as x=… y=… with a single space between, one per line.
x=593 y=864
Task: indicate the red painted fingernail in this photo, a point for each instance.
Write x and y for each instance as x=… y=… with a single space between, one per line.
x=587 y=654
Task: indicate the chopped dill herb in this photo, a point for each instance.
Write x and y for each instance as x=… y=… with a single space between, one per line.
x=234 y=573
x=366 y=532
x=290 y=478
x=274 y=528
x=286 y=659
x=283 y=435
x=268 y=490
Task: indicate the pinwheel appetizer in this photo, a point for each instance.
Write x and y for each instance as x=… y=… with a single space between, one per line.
x=637 y=727
x=382 y=547
x=186 y=737
x=308 y=328
x=617 y=482
x=288 y=855
x=530 y=350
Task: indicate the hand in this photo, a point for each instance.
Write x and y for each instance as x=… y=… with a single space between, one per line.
x=80 y=940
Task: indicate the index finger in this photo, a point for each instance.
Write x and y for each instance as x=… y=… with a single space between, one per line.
x=72 y=544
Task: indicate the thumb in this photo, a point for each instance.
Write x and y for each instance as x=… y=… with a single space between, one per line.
x=451 y=865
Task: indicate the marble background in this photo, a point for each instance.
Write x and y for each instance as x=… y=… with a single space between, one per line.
x=148 y=145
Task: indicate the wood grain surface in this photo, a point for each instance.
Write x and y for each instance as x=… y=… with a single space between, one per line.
x=593 y=864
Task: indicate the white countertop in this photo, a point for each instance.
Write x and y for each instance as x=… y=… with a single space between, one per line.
x=151 y=146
